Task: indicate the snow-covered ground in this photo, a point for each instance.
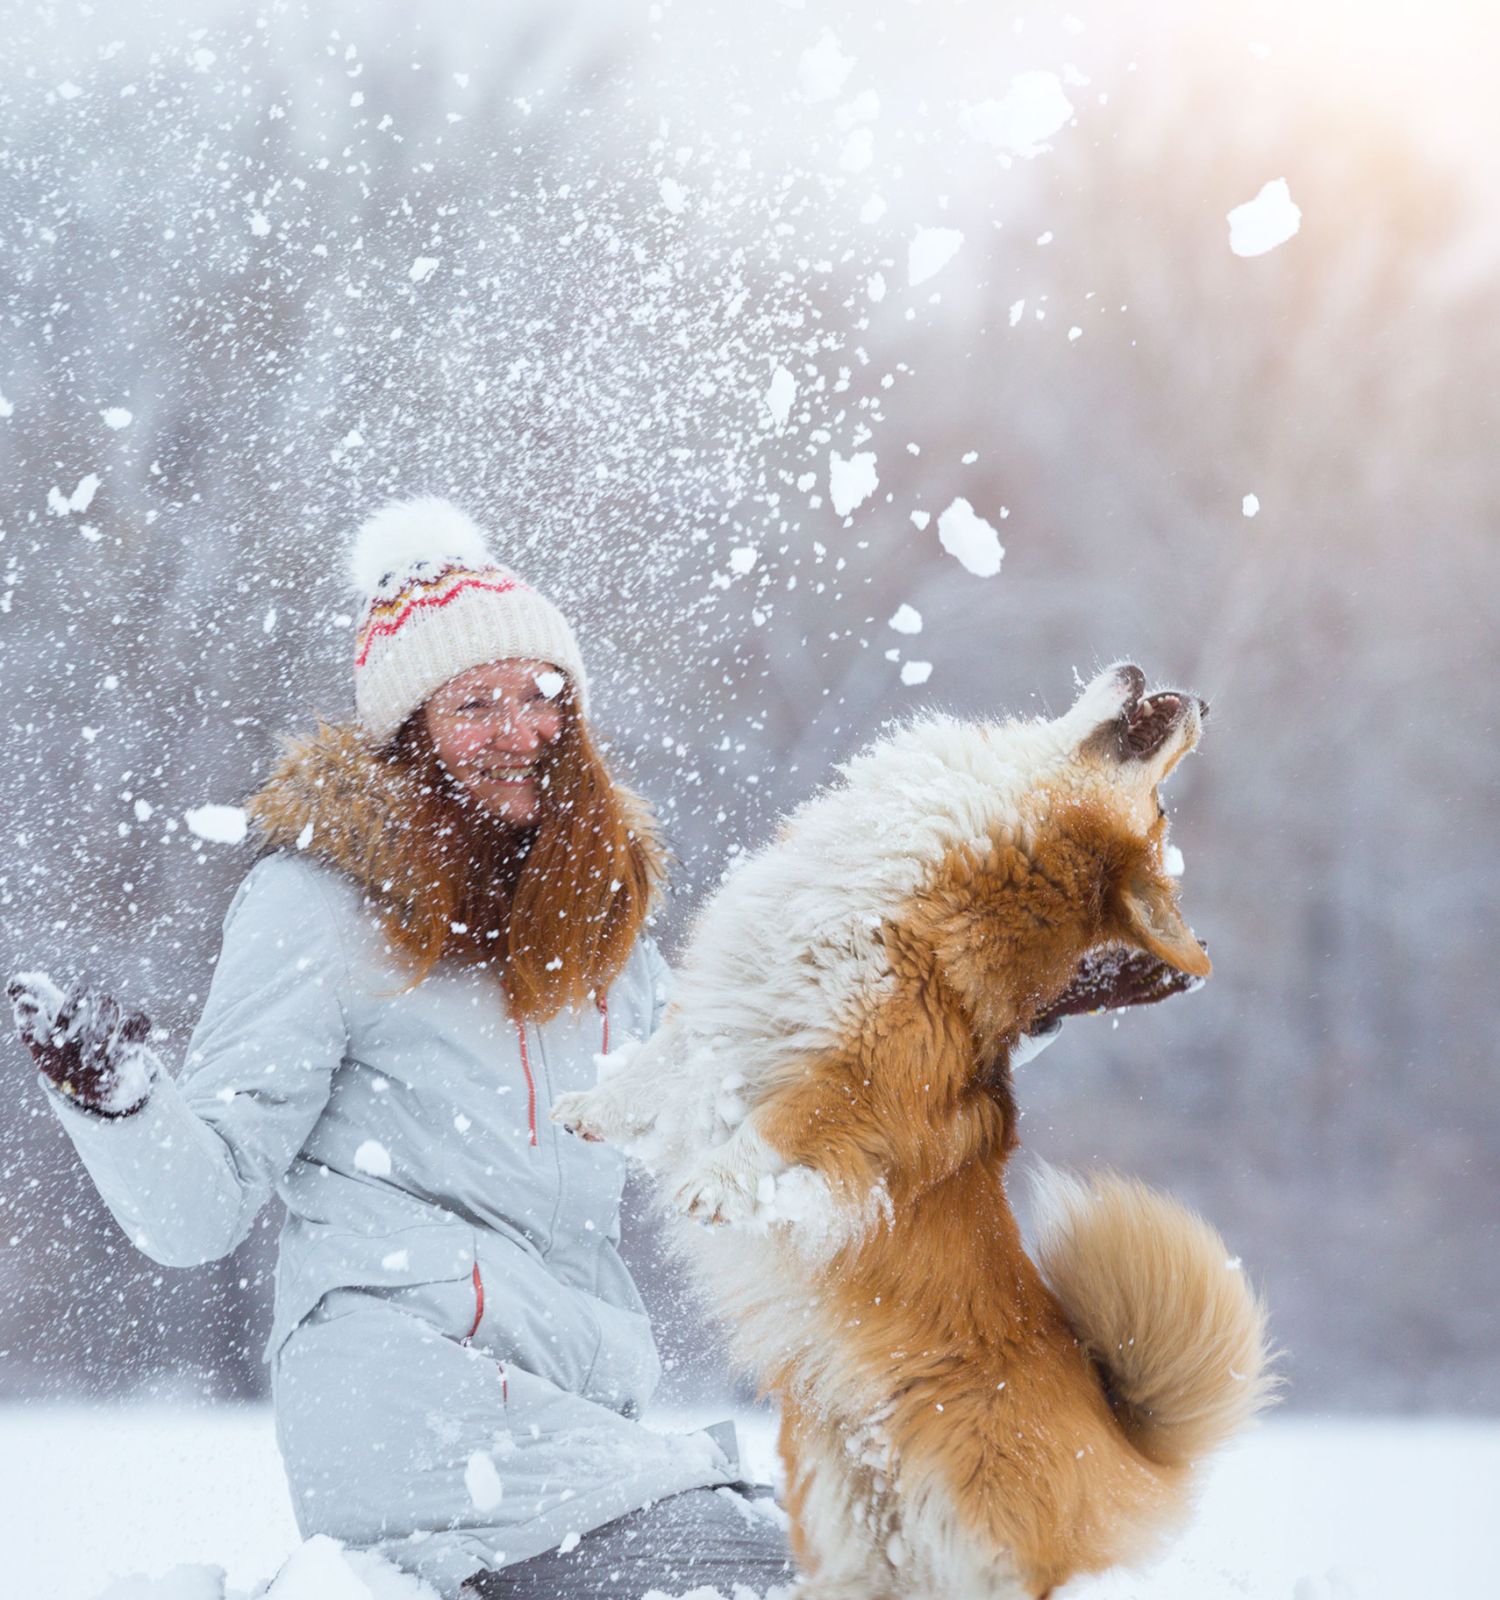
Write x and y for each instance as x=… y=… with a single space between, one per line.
x=1305 y=1509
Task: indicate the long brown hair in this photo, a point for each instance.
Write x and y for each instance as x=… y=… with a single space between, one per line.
x=553 y=907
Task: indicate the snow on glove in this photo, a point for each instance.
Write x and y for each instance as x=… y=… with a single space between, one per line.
x=1111 y=977
x=85 y=1044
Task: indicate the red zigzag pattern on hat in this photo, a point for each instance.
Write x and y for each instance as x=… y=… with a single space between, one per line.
x=379 y=627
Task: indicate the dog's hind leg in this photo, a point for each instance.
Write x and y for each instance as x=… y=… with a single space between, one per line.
x=838 y=1515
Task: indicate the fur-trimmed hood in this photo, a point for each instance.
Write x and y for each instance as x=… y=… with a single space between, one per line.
x=330 y=795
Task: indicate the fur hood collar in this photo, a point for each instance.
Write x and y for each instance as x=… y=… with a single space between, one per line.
x=330 y=795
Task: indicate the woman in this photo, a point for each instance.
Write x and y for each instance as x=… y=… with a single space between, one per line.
x=442 y=932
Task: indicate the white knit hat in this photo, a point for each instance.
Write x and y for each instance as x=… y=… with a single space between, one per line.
x=435 y=604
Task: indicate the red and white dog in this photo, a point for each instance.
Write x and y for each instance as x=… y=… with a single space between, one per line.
x=832 y=1089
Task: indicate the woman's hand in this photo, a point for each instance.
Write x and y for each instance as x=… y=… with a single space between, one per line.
x=85 y=1044
x=1110 y=978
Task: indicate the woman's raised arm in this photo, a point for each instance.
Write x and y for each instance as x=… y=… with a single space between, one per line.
x=186 y=1171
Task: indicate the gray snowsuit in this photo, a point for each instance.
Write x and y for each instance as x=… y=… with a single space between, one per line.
x=459 y=1355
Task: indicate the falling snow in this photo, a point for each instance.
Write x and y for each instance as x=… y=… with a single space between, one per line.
x=930 y=251
x=1270 y=219
x=374 y=1158
x=965 y=535
x=1025 y=117
x=851 y=482
x=217 y=824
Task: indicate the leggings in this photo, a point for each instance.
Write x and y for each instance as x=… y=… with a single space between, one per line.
x=729 y=1540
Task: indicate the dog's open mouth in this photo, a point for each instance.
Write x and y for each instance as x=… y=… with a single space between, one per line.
x=1147 y=721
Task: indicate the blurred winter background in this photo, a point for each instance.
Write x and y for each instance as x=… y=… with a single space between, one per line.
x=731 y=318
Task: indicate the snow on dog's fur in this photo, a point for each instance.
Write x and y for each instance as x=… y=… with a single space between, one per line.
x=831 y=1091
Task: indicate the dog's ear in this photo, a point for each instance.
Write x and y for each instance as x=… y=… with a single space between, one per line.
x=1148 y=907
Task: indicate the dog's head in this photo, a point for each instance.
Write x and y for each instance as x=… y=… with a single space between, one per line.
x=1116 y=746
x=1070 y=854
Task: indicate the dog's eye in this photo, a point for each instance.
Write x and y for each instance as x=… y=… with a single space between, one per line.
x=1161 y=810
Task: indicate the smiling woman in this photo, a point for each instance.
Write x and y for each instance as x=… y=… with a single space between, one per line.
x=445 y=926
x=492 y=728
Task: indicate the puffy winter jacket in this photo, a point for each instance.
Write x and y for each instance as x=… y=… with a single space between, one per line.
x=407 y=1133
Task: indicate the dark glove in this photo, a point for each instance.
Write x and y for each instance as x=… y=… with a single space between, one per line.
x=85 y=1044
x=1111 y=977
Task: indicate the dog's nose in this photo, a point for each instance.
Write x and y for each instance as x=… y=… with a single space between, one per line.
x=1132 y=679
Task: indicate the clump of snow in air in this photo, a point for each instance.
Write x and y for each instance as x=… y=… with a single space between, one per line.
x=6 y=408
x=673 y=196
x=116 y=417
x=1172 y=862
x=930 y=251
x=1028 y=114
x=915 y=672
x=550 y=683
x=780 y=395
x=851 y=482
x=374 y=1158
x=822 y=70
x=1250 y=504
x=483 y=1482
x=217 y=824
x=260 y=224
x=906 y=620
x=742 y=559
x=1268 y=220
x=570 y=1542
x=396 y=1261
x=423 y=268
x=966 y=535
x=62 y=505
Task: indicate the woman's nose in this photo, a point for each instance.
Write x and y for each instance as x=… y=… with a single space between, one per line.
x=513 y=733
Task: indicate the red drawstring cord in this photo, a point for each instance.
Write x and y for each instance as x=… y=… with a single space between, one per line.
x=530 y=1081
x=526 y=1065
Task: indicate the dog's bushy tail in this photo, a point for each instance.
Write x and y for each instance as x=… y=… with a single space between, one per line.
x=1151 y=1291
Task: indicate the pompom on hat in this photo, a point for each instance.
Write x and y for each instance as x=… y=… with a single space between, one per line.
x=436 y=602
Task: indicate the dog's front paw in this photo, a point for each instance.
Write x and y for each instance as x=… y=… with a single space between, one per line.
x=734 y=1185
x=603 y=1114
x=717 y=1195
x=578 y=1113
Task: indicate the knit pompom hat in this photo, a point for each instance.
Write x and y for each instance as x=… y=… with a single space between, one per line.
x=435 y=603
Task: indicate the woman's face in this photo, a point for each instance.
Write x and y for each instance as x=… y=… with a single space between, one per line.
x=491 y=727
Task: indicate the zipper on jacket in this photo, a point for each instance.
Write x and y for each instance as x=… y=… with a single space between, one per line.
x=526 y=1065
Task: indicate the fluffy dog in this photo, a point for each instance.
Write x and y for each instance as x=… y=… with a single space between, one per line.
x=832 y=1090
